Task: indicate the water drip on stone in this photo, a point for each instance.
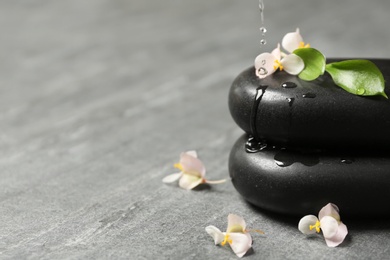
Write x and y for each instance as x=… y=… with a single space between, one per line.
x=347 y=160
x=286 y=158
x=253 y=146
x=309 y=95
x=289 y=85
x=257 y=98
x=290 y=101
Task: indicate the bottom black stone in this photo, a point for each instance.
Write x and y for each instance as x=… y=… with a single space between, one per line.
x=302 y=182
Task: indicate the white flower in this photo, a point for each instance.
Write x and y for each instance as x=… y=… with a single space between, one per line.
x=293 y=40
x=192 y=172
x=236 y=235
x=267 y=63
x=329 y=222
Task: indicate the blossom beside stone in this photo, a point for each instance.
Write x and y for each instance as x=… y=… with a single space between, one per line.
x=329 y=222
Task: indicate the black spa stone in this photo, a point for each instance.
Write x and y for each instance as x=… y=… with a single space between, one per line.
x=310 y=143
x=301 y=182
x=284 y=110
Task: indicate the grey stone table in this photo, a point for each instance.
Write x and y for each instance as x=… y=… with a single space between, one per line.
x=99 y=97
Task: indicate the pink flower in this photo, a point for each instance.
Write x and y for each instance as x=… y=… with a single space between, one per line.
x=192 y=172
x=267 y=63
x=329 y=222
x=236 y=235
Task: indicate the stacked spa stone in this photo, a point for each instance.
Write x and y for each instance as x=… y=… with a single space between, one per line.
x=307 y=143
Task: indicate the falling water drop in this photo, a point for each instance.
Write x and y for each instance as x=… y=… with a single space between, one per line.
x=263 y=30
x=261 y=7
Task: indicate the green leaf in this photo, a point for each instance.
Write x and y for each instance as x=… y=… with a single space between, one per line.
x=359 y=77
x=314 y=63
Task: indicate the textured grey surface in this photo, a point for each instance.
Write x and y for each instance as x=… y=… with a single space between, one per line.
x=98 y=98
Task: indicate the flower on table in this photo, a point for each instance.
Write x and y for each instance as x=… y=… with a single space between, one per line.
x=267 y=63
x=236 y=235
x=329 y=222
x=192 y=172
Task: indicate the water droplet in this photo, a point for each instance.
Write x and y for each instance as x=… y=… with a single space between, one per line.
x=261 y=5
x=309 y=95
x=360 y=91
x=263 y=62
x=286 y=158
x=260 y=91
x=289 y=85
x=347 y=160
x=262 y=71
x=290 y=101
x=263 y=30
x=254 y=146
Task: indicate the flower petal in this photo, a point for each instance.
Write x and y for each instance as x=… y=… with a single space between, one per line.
x=264 y=64
x=339 y=237
x=215 y=182
x=188 y=181
x=241 y=243
x=305 y=223
x=192 y=165
x=291 y=41
x=330 y=209
x=276 y=52
x=216 y=234
x=192 y=153
x=329 y=226
x=293 y=64
x=172 y=177
x=235 y=224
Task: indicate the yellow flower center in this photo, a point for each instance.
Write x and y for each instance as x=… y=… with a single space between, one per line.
x=302 y=45
x=178 y=166
x=278 y=65
x=316 y=226
x=227 y=239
